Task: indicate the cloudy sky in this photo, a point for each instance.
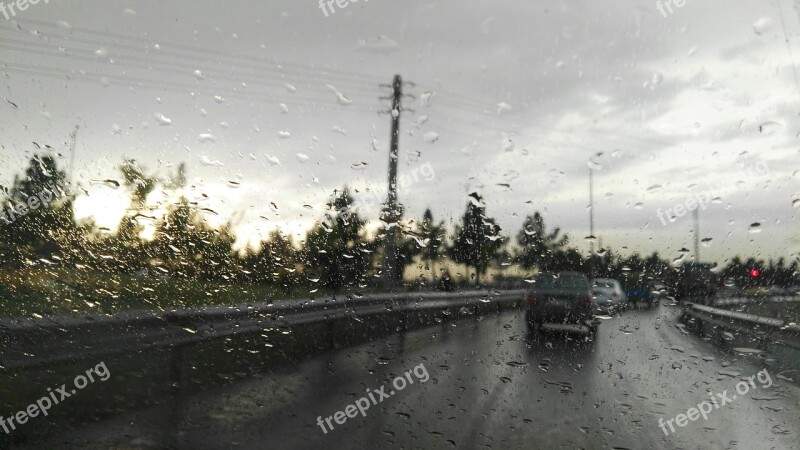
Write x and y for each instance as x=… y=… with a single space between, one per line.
x=273 y=105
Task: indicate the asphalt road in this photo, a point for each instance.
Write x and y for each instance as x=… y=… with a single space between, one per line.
x=490 y=385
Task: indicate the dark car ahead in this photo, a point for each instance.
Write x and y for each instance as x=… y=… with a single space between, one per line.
x=646 y=294
x=562 y=298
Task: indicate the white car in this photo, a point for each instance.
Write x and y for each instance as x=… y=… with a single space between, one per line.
x=608 y=296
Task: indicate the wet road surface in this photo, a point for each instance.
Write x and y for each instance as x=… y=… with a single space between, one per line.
x=490 y=384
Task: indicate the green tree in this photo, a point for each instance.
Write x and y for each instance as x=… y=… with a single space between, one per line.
x=538 y=245
x=409 y=246
x=337 y=252
x=186 y=246
x=477 y=239
x=276 y=262
x=433 y=236
x=130 y=250
x=565 y=260
x=37 y=219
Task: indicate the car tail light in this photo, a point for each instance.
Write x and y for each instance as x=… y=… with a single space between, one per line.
x=530 y=299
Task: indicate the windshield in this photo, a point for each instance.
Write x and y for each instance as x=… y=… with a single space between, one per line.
x=325 y=224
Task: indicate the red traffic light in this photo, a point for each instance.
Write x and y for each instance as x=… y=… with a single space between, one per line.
x=755 y=273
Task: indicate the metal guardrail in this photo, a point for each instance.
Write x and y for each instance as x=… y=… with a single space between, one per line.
x=748 y=300
x=32 y=342
x=775 y=330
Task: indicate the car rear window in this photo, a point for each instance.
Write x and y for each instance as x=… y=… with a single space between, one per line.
x=571 y=282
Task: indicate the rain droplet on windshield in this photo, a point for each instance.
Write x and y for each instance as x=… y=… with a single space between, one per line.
x=163 y=120
x=431 y=137
x=762 y=25
x=769 y=128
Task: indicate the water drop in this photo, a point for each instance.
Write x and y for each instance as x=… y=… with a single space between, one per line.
x=341 y=98
x=503 y=107
x=426 y=97
x=769 y=128
x=163 y=120
x=206 y=161
x=431 y=137
x=113 y=184
x=359 y=166
x=762 y=25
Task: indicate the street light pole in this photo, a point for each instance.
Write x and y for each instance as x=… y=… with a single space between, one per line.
x=591 y=222
x=697 y=235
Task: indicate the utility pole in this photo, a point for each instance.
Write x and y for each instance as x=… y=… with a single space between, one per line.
x=392 y=210
x=697 y=235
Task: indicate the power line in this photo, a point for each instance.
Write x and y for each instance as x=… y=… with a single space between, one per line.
x=788 y=45
x=152 y=63
x=232 y=57
x=160 y=85
x=149 y=68
x=164 y=66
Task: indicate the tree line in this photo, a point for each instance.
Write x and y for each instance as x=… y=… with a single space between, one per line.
x=337 y=252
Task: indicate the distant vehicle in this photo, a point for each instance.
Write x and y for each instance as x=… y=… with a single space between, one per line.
x=563 y=298
x=756 y=291
x=730 y=291
x=693 y=281
x=643 y=293
x=778 y=290
x=659 y=290
x=608 y=296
